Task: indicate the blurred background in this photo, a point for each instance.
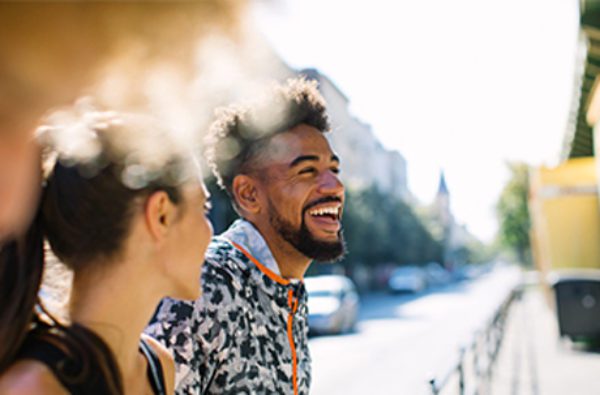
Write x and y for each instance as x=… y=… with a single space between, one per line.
x=466 y=131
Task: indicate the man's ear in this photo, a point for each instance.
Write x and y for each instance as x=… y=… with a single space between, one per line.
x=159 y=214
x=245 y=193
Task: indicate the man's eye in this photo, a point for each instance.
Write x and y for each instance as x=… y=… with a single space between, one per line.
x=308 y=170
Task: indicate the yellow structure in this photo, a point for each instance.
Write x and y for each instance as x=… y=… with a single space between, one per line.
x=565 y=215
x=563 y=204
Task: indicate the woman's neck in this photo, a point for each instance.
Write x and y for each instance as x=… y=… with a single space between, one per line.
x=116 y=303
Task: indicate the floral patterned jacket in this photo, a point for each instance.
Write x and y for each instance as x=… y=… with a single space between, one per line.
x=247 y=334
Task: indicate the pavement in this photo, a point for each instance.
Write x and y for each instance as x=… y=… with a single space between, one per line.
x=534 y=361
x=402 y=341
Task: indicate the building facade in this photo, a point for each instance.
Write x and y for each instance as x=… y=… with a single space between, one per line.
x=365 y=161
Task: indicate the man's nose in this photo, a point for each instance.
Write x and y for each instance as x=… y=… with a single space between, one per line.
x=330 y=184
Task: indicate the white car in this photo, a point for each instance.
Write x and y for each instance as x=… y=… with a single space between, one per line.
x=332 y=304
x=410 y=279
x=436 y=275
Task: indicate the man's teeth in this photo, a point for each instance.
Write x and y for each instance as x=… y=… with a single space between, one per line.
x=325 y=211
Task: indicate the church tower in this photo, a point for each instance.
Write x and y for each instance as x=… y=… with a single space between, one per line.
x=442 y=202
x=444 y=214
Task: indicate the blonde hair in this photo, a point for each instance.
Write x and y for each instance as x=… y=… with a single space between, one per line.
x=51 y=51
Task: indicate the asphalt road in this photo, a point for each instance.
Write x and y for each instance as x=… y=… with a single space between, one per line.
x=402 y=340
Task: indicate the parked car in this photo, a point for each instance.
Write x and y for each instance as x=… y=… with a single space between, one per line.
x=332 y=304
x=436 y=275
x=409 y=279
x=469 y=272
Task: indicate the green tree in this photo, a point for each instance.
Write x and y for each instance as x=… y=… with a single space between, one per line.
x=222 y=213
x=380 y=228
x=473 y=251
x=513 y=213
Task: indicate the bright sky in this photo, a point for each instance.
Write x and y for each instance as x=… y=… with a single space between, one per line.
x=460 y=85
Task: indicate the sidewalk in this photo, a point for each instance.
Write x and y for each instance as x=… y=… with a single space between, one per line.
x=532 y=359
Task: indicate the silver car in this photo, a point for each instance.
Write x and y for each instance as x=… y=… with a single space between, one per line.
x=332 y=304
x=409 y=279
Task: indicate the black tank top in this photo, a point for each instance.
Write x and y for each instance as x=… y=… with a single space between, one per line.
x=155 y=370
x=65 y=368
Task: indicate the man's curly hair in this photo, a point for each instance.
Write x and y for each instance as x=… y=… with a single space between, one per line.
x=240 y=133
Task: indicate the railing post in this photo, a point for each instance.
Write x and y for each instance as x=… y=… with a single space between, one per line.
x=461 y=372
x=476 y=358
x=434 y=389
x=486 y=342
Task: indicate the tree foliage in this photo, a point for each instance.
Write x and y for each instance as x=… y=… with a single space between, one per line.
x=380 y=228
x=513 y=213
x=222 y=213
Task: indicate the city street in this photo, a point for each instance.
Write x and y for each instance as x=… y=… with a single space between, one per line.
x=402 y=340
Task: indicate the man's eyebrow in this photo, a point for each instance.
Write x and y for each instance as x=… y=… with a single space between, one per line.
x=304 y=158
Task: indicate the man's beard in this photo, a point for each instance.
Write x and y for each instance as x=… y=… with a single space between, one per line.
x=303 y=241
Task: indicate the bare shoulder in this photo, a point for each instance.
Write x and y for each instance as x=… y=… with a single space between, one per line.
x=28 y=377
x=166 y=360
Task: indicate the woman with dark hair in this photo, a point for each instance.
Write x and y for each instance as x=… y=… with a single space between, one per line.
x=124 y=207
x=51 y=53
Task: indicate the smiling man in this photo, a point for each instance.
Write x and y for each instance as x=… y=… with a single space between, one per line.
x=248 y=332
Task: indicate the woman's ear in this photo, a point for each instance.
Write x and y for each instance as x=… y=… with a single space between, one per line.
x=245 y=192
x=159 y=214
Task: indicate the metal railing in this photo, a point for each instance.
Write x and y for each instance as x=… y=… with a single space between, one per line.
x=471 y=370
